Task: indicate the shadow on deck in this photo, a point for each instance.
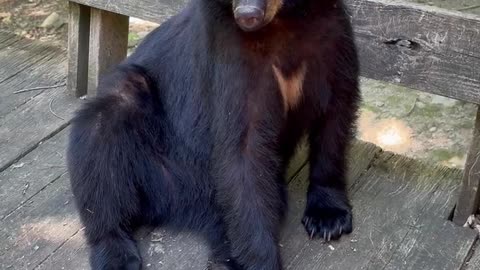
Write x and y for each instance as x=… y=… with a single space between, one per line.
x=401 y=206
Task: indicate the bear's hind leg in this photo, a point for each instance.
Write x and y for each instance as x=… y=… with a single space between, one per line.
x=112 y=153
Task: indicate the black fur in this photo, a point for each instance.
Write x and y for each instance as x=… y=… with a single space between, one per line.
x=191 y=132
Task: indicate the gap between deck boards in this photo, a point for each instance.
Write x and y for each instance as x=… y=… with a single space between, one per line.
x=26 y=119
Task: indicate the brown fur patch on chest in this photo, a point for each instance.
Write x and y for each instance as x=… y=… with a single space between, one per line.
x=273 y=6
x=290 y=86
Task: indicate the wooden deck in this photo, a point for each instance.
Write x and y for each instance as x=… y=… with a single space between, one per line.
x=401 y=206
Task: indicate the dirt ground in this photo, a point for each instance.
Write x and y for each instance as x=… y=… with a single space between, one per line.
x=406 y=121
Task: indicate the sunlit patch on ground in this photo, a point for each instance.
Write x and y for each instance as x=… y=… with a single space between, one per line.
x=49 y=229
x=416 y=124
x=391 y=134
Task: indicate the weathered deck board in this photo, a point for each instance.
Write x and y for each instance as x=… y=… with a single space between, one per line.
x=71 y=255
x=294 y=236
x=391 y=201
x=26 y=118
x=20 y=55
x=35 y=230
x=25 y=127
x=37 y=213
x=474 y=263
x=7 y=39
x=33 y=75
x=31 y=174
x=433 y=243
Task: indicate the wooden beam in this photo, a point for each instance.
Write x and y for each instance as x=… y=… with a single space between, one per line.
x=474 y=262
x=78 y=38
x=150 y=10
x=400 y=207
x=108 y=44
x=420 y=47
x=468 y=200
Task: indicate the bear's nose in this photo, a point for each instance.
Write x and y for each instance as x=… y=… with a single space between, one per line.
x=249 y=18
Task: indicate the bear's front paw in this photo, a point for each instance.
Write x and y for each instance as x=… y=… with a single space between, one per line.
x=328 y=214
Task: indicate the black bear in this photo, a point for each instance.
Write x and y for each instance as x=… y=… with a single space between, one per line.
x=195 y=129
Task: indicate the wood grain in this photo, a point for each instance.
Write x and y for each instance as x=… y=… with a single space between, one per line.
x=294 y=237
x=108 y=44
x=78 y=46
x=26 y=70
x=19 y=56
x=7 y=39
x=151 y=10
x=395 y=202
x=474 y=262
x=24 y=128
x=32 y=173
x=420 y=47
x=37 y=229
x=469 y=196
x=424 y=247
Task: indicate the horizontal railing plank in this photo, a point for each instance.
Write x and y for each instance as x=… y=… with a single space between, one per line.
x=420 y=47
x=150 y=10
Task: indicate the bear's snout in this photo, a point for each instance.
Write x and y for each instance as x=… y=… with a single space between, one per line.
x=250 y=14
